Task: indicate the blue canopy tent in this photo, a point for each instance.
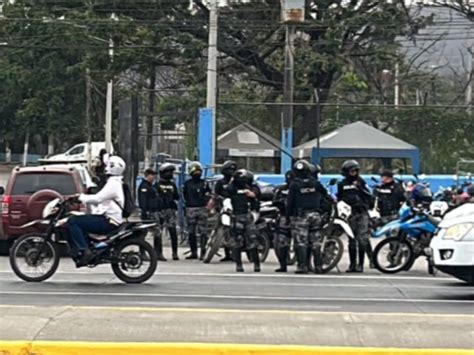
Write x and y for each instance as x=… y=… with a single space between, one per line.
x=359 y=140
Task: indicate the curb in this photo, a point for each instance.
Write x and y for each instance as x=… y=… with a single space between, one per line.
x=99 y=348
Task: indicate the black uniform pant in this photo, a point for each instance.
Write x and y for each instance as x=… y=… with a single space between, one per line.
x=359 y=223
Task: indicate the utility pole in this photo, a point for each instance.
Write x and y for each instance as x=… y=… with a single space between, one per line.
x=288 y=96
x=88 y=118
x=212 y=70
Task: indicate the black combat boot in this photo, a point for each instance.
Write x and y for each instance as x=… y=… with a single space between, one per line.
x=282 y=256
x=256 y=259
x=301 y=257
x=159 y=248
x=238 y=259
x=352 y=256
x=203 y=247
x=193 y=247
x=318 y=261
x=360 y=265
x=174 y=243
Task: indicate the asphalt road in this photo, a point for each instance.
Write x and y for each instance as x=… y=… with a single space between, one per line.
x=192 y=302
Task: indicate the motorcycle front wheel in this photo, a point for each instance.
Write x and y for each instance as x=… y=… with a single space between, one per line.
x=216 y=239
x=136 y=261
x=332 y=252
x=34 y=258
x=393 y=255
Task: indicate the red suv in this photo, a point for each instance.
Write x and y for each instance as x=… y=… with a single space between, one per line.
x=29 y=189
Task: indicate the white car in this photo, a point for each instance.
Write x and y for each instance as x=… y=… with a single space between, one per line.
x=78 y=153
x=453 y=245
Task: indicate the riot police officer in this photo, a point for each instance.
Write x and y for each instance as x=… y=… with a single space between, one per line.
x=228 y=170
x=148 y=203
x=283 y=237
x=353 y=190
x=168 y=197
x=303 y=206
x=196 y=194
x=244 y=200
x=390 y=195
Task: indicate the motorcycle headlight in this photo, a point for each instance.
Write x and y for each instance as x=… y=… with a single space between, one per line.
x=457 y=232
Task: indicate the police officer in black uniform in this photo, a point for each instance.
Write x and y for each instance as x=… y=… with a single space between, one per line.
x=148 y=203
x=196 y=194
x=303 y=207
x=228 y=170
x=244 y=198
x=168 y=196
x=283 y=237
x=353 y=190
x=390 y=196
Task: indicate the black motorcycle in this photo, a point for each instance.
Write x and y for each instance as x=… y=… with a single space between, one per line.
x=35 y=257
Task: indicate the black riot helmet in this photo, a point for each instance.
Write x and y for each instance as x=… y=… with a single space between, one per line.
x=243 y=177
x=166 y=171
x=348 y=167
x=229 y=168
x=289 y=176
x=302 y=168
x=315 y=170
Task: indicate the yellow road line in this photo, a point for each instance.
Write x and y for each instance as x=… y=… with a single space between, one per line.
x=237 y=311
x=97 y=348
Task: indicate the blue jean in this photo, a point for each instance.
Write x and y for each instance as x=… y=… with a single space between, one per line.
x=80 y=225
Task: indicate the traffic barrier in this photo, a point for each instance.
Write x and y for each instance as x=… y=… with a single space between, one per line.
x=104 y=348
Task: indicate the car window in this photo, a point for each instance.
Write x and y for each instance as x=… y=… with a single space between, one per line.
x=78 y=150
x=28 y=184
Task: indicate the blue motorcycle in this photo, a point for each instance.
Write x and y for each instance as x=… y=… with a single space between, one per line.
x=407 y=238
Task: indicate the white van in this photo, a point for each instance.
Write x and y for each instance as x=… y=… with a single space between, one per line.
x=77 y=153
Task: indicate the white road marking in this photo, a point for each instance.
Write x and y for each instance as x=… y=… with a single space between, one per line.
x=279 y=276
x=204 y=296
x=56 y=280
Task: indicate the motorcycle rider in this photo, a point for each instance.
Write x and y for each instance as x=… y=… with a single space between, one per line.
x=148 y=203
x=244 y=199
x=167 y=201
x=108 y=202
x=303 y=206
x=283 y=238
x=228 y=169
x=353 y=190
x=196 y=193
x=391 y=196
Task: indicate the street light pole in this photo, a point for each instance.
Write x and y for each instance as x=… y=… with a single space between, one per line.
x=288 y=96
x=108 y=106
x=109 y=101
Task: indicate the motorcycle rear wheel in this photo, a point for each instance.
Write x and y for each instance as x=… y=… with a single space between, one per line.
x=28 y=247
x=132 y=261
x=399 y=255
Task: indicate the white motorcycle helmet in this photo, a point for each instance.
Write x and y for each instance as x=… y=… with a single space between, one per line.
x=115 y=166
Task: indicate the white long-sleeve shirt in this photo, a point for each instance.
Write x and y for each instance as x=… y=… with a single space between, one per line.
x=104 y=200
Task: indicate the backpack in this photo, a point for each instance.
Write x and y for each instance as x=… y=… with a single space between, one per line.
x=128 y=202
